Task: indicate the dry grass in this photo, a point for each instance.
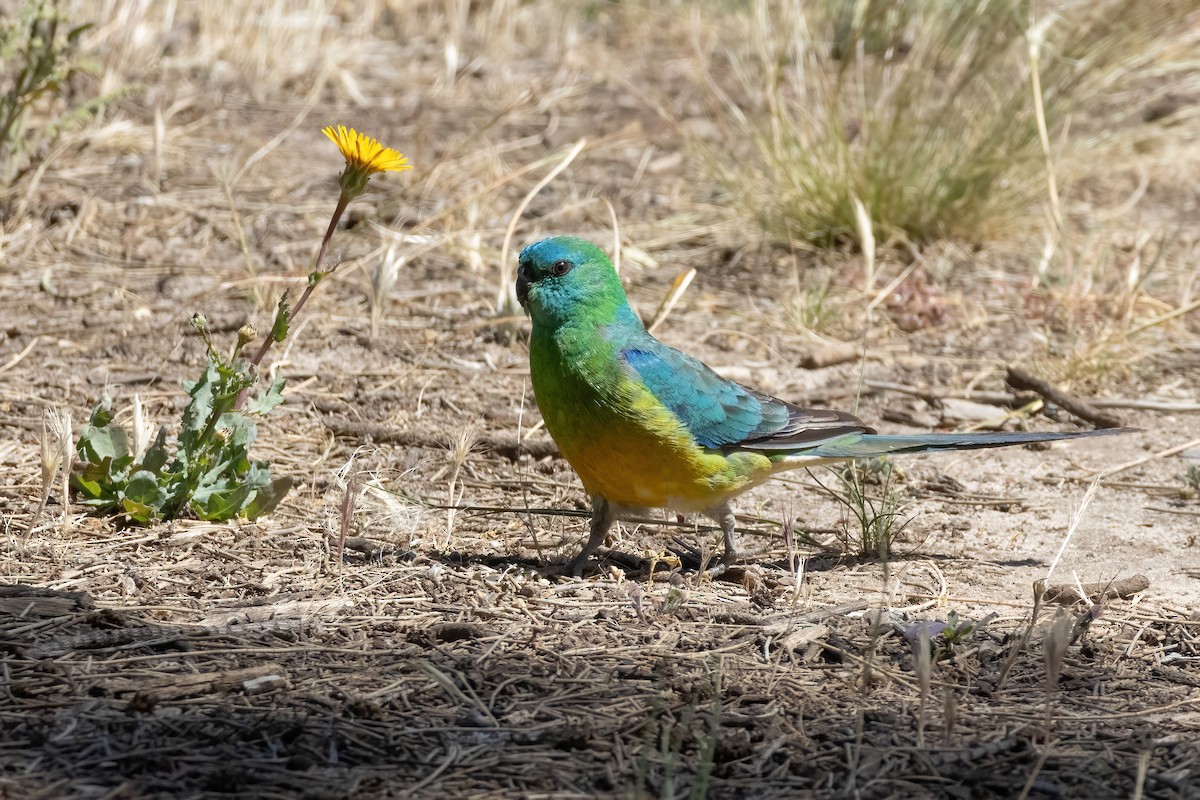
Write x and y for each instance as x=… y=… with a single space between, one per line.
x=938 y=117
x=485 y=679
x=365 y=641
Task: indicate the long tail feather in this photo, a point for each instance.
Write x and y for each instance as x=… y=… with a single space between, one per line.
x=870 y=445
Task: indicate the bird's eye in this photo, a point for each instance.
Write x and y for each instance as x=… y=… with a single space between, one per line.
x=560 y=268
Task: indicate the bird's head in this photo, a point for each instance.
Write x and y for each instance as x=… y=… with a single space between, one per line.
x=558 y=279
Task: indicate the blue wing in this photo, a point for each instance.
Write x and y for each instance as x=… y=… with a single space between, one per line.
x=721 y=414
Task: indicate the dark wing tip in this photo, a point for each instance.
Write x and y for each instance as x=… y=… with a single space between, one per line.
x=805 y=426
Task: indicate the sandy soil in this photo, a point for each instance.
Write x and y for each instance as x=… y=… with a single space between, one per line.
x=196 y=659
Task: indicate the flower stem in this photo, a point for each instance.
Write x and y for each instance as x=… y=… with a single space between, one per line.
x=343 y=201
x=268 y=340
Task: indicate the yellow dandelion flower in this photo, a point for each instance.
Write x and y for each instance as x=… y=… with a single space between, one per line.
x=364 y=157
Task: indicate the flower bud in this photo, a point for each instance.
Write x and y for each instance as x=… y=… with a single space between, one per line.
x=246 y=335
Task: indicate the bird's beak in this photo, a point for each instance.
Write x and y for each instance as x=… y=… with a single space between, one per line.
x=522 y=285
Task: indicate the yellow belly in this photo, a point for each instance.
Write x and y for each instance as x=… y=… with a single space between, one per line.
x=643 y=458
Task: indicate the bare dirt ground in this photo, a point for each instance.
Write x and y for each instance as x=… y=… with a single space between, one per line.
x=199 y=659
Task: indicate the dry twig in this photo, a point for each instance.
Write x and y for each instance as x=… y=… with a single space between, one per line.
x=1021 y=380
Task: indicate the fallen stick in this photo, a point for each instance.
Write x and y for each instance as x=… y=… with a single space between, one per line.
x=176 y=687
x=1137 y=462
x=829 y=355
x=1146 y=405
x=1067 y=594
x=361 y=544
x=1181 y=511
x=934 y=394
x=502 y=444
x=1021 y=380
x=36 y=601
x=12 y=362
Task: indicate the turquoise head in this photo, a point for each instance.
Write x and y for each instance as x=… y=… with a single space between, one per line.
x=563 y=278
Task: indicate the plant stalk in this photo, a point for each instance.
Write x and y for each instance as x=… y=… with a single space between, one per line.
x=268 y=340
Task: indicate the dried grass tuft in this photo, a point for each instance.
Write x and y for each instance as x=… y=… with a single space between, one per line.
x=938 y=117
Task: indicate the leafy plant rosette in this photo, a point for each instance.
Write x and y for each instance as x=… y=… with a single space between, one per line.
x=206 y=470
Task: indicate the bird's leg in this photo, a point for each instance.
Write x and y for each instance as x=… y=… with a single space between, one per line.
x=724 y=515
x=603 y=515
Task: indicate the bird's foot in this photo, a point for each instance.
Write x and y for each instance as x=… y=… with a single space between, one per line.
x=715 y=572
x=605 y=558
x=729 y=561
x=693 y=559
x=571 y=569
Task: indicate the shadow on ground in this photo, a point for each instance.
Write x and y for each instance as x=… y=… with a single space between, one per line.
x=596 y=700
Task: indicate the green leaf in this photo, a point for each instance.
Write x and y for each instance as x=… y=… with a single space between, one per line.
x=75 y=33
x=102 y=480
x=213 y=482
x=268 y=497
x=143 y=487
x=279 y=328
x=223 y=500
x=90 y=489
x=143 y=498
x=241 y=431
x=137 y=512
x=102 y=505
x=99 y=439
x=110 y=442
x=156 y=454
x=230 y=454
x=233 y=377
x=99 y=471
x=102 y=414
x=267 y=400
x=198 y=410
x=220 y=506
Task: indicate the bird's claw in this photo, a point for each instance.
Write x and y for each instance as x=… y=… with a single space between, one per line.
x=692 y=558
x=729 y=563
x=571 y=569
